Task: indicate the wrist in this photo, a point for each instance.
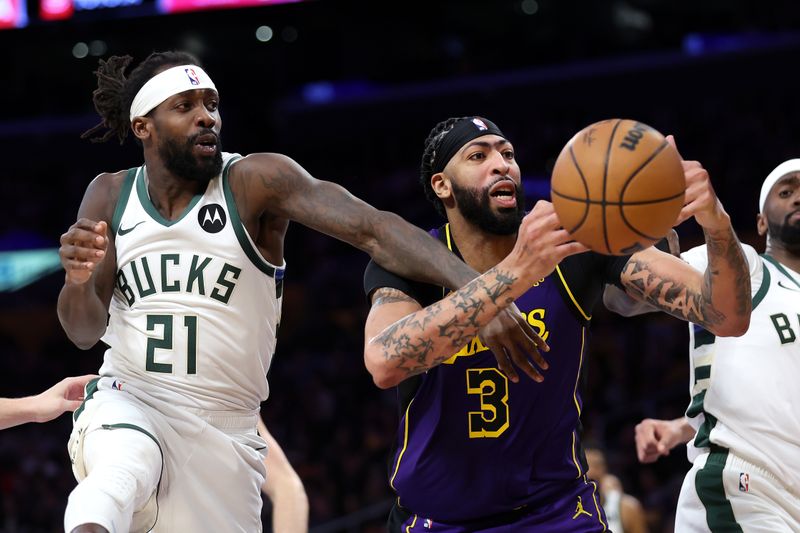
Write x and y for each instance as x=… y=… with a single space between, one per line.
x=717 y=223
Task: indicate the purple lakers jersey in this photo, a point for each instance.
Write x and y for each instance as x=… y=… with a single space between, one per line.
x=471 y=443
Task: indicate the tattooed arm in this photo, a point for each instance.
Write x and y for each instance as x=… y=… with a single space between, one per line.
x=270 y=189
x=402 y=339
x=275 y=185
x=718 y=299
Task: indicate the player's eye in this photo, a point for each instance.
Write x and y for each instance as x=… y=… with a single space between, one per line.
x=477 y=156
x=508 y=154
x=785 y=193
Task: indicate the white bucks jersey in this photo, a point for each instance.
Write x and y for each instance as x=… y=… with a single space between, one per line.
x=196 y=307
x=745 y=395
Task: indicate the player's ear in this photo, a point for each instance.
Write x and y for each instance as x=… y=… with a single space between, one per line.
x=141 y=127
x=441 y=185
x=761 y=224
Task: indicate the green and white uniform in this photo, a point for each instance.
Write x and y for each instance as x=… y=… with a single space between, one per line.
x=746 y=411
x=192 y=330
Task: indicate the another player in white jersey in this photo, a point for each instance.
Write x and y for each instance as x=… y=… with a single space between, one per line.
x=744 y=417
x=186 y=255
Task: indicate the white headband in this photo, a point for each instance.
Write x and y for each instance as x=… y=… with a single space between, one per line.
x=167 y=83
x=787 y=167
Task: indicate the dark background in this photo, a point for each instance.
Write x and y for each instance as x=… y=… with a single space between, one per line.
x=719 y=75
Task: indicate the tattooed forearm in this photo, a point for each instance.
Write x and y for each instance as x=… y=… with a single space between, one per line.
x=725 y=254
x=668 y=295
x=431 y=335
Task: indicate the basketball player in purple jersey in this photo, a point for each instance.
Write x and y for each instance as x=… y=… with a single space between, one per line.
x=475 y=451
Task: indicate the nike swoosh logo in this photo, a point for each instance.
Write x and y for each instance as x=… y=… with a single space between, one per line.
x=788 y=288
x=128 y=230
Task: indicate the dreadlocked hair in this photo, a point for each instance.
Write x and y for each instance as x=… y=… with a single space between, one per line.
x=432 y=144
x=115 y=91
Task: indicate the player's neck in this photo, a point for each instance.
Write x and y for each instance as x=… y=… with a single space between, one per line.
x=785 y=256
x=170 y=194
x=479 y=249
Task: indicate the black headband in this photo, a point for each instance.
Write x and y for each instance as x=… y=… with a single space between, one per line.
x=461 y=133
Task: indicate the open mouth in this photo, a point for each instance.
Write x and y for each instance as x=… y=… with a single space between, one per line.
x=206 y=144
x=504 y=193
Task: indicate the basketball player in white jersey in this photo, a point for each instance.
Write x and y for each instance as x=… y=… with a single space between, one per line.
x=743 y=424
x=178 y=266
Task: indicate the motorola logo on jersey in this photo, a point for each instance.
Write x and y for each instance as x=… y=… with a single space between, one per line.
x=212 y=218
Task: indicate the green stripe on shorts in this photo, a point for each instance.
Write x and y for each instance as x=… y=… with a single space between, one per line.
x=710 y=489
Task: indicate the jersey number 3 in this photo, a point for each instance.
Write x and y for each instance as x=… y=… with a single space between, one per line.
x=491 y=386
x=165 y=343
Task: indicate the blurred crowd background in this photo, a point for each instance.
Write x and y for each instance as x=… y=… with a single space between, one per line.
x=350 y=90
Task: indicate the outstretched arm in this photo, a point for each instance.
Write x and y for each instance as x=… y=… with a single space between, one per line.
x=718 y=299
x=402 y=339
x=276 y=183
x=66 y=395
x=284 y=488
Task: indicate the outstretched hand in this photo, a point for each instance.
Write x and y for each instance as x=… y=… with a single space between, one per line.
x=66 y=395
x=541 y=244
x=512 y=340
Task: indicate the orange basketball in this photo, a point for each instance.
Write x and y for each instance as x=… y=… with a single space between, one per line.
x=618 y=186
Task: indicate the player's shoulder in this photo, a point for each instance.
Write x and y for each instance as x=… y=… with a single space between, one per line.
x=109 y=180
x=264 y=164
x=103 y=192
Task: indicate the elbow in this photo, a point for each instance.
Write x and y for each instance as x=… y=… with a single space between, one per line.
x=385 y=382
x=735 y=326
x=385 y=379
x=382 y=376
x=83 y=342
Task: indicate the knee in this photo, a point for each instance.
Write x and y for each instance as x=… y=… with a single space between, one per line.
x=89 y=528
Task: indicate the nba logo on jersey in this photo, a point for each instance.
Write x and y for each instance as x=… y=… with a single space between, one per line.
x=428 y=523
x=744 y=482
x=481 y=124
x=193 y=79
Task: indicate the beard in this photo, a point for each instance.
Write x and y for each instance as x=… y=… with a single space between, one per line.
x=180 y=160
x=786 y=233
x=474 y=205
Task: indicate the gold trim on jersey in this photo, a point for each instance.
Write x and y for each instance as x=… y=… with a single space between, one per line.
x=575 y=399
x=596 y=504
x=571 y=296
x=405 y=446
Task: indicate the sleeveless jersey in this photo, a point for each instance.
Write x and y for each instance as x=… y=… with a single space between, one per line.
x=471 y=443
x=195 y=310
x=744 y=389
